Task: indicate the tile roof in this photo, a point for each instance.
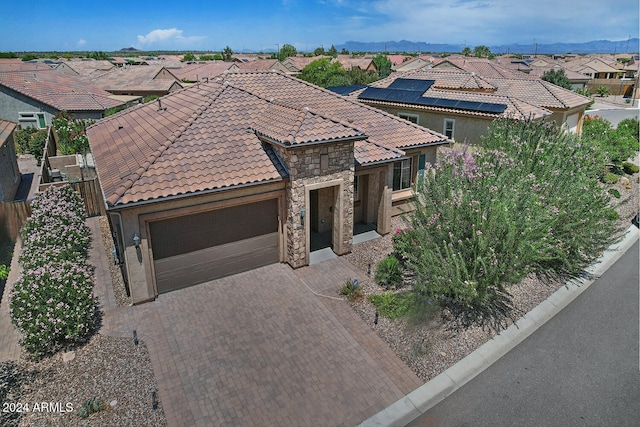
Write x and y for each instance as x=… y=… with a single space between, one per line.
x=85 y=68
x=6 y=127
x=202 y=71
x=134 y=79
x=59 y=90
x=524 y=98
x=6 y=67
x=483 y=67
x=258 y=64
x=210 y=136
x=540 y=93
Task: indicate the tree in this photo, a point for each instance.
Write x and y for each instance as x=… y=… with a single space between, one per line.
x=384 y=65
x=617 y=145
x=227 y=53
x=189 y=57
x=286 y=51
x=466 y=51
x=602 y=91
x=319 y=51
x=344 y=51
x=481 y=51
x=333 y=51
x=322 y=72
x=557 y=77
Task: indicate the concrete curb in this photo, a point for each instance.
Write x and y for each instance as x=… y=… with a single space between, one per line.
x=428 y=395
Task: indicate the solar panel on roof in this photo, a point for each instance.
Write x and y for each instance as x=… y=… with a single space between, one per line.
x=393 y=95
x=411 y=84
x=345 y=90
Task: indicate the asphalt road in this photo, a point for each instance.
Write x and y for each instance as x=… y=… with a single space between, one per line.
x=615 y=115
x=581 y=368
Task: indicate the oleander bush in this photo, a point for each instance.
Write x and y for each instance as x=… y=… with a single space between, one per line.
x=52 y=302
x=630 y=168
x=528 y=201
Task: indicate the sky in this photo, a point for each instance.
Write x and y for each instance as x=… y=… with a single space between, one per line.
x=263 y=25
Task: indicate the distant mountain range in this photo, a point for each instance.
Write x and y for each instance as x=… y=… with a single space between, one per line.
x=596 y=46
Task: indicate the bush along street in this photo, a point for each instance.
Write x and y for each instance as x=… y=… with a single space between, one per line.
x=52 y=302
x=528 y=201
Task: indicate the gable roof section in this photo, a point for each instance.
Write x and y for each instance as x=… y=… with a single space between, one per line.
x=135 y=79
x=59 y=90
x=540 y=93
x=201 y=72
x=210 y=136
x=6 y=127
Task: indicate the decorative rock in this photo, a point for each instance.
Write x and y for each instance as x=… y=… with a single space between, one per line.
x=68 y=356
x=624 y=181
x=443 y=354
x=113 y=403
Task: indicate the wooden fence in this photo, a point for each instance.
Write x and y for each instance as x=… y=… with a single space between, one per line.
x=12 y=217
x=91 y=195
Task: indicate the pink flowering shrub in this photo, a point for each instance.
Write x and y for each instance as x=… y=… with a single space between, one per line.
x=527 y=201
x=53 y=306
x=52 y=302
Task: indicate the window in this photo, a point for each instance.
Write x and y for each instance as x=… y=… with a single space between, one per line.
x=411 y=117
x=36 y=120
x=449 y=128
x=402 y=174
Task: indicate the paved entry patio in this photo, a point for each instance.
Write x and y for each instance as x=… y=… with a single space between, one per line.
x=263 y=348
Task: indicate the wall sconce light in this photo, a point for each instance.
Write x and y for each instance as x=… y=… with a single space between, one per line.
x=302 y=213
x=136 y=240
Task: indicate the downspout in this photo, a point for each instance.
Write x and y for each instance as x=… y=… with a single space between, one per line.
x=126 y=264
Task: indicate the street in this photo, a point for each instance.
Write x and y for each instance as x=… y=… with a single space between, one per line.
x=580 y=368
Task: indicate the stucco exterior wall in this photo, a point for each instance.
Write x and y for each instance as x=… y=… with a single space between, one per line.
x=135 y=221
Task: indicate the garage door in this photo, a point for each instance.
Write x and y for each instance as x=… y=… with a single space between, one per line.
x=196 y=248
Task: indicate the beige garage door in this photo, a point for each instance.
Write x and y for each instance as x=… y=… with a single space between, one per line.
x=197 y=248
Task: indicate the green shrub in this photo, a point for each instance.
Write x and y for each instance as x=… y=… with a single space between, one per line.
x=615 y=193
x=527 y=201
x=610 y=178
x=351 y=290
x=393 y=305
x=389 y=273
x=37 y=143
x=52 y=302
x=91 y=406
x=630 y=168
x=22 y=138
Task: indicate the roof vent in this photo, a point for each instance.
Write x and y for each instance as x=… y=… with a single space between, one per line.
x=120 y=127
x=271 y=99
x=160 y=107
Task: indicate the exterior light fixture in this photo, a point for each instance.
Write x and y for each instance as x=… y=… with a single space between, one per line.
x=136 y=240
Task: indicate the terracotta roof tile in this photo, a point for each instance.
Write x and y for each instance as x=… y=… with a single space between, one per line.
x=59 y=90
x=209 y=136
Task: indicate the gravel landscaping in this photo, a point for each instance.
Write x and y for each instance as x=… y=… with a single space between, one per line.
x=119 y=372
x=430 y=346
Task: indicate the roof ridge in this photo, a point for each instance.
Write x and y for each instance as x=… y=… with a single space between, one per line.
x=544 y=84
x=135 y=176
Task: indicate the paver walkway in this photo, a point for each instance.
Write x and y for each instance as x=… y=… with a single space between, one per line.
x=261 y=348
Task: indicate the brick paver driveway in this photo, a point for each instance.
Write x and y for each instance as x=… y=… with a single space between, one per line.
x=262 y=348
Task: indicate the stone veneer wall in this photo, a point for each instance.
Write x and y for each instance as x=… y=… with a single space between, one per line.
x=304 y=166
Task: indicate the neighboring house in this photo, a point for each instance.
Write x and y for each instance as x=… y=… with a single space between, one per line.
x=253 y=169
x=295 y=64
x=9 y=173
x=202 y=71
x=86 y=67
x=137 y=81
x=412 y=64
x=480 y=66
x=462 y=105
x=365 y=64
x=32 y=98
x=261 y=65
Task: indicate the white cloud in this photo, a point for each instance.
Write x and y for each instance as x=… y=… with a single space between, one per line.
x=168 y=35
x=81 y=42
